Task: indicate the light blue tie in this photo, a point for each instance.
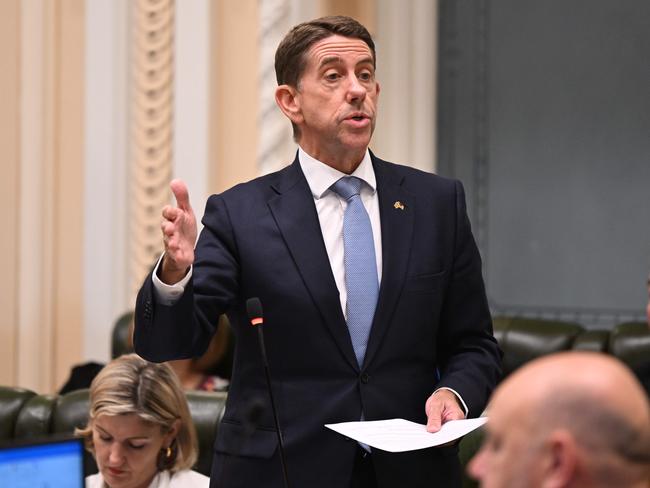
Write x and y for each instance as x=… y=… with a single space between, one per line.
x=360 y=265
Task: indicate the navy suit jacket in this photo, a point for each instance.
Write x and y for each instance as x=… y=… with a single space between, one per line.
x=432 y=328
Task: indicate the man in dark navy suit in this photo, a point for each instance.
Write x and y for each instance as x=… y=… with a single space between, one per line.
x=371 y=282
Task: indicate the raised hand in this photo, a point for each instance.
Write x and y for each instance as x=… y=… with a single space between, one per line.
x=179 y=235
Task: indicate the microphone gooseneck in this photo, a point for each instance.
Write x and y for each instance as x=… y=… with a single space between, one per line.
x=256 y=317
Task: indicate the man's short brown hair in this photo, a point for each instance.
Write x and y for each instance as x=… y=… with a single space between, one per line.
x=290 y=59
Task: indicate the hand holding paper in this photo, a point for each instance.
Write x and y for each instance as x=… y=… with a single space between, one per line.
x=399 y=435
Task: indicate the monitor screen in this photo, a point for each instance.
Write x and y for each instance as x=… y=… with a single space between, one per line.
x=44 y=464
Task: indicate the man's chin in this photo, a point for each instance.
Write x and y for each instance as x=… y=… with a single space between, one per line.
x=357 y=141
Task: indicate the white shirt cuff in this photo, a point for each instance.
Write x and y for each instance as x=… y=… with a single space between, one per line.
x=457 y=396
x=168 y=294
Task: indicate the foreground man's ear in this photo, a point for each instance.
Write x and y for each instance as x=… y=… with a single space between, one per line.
x=286 y=97
x=562 y=459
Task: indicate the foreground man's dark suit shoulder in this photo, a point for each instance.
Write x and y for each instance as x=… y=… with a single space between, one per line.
x=263 y=239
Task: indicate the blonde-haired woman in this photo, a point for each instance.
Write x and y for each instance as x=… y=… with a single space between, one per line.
x=139 y=428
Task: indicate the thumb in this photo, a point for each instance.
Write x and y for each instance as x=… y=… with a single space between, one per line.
x=434 y=417
x=179 y=189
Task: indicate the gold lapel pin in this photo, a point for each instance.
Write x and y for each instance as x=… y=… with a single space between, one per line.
x=399 y=205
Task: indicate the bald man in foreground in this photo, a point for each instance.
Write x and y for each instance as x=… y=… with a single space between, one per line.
x=572 y=419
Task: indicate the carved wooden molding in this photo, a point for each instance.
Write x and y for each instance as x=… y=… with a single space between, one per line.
x=275 y=144
x=151 y=130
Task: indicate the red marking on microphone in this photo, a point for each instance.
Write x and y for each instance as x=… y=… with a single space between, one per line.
x=257 y=321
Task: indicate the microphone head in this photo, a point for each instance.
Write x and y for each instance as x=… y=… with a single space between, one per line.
x=254 y=311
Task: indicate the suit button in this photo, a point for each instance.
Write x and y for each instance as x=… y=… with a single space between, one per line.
x=365 y=378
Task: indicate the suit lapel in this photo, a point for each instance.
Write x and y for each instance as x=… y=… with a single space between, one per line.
x=397 y=210
x=295 y=214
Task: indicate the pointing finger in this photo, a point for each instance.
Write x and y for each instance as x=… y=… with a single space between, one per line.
x=179 y=189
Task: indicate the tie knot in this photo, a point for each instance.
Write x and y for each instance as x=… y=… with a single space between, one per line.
x=347 y=187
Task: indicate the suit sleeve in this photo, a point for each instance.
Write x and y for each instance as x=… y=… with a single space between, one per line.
x=469 y=357
x=183 y=330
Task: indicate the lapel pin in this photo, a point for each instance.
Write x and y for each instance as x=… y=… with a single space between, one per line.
x=399 y=205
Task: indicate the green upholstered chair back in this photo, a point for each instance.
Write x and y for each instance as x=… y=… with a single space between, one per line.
x=121 y=340
x=206 y=415
x=12 y=400
x=523 y=339
x=630 y=342
x=35 y=418
x=592 y=340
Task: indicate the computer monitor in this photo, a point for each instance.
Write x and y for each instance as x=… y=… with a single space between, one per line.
x=53 y=462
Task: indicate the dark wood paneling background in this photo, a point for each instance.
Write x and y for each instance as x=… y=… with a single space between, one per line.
x=545 y=117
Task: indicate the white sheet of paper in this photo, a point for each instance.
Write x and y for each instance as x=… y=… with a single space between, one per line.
x=399 y=435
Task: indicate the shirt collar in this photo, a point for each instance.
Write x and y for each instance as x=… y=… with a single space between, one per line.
x=320 y=177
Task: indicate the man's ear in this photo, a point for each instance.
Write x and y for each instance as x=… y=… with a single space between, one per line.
x=562 y=458
x=287 y=98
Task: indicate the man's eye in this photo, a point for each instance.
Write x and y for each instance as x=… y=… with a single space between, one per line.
x=104 y=438
x=332 y=76
x=365 y=76
x=494 y=444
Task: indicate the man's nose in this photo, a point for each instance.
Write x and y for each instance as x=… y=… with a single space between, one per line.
x=356 y=90
x=476 y=466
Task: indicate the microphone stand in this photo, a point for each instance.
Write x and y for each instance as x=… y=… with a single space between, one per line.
x=260 y=337
x=254 y=311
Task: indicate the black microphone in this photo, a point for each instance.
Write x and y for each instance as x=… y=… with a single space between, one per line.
x=255 y=315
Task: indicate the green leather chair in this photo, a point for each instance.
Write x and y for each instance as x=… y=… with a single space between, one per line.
x=592 y=340
x=630 y=342
x=522 y=339
x=121 y=341
x=12 y=401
